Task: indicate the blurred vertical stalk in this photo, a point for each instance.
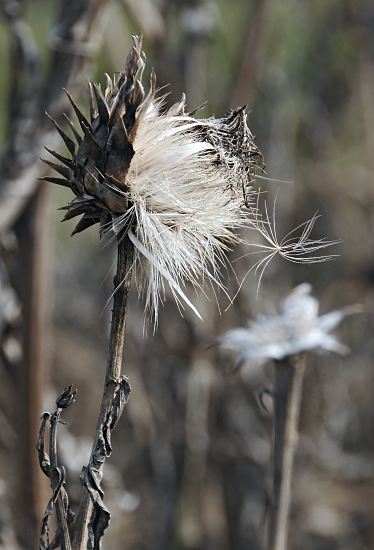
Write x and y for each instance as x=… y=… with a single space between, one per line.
x=251 y=55
x=33 y=238
x=198 y=18
x=288 y=382
x=199 y=388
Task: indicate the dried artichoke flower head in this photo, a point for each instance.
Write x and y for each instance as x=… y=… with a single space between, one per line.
x=176 y=185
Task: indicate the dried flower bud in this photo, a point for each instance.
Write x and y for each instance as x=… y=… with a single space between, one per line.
x=66 y=397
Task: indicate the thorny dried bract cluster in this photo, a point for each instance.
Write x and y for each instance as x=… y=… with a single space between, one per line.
x=177 y=186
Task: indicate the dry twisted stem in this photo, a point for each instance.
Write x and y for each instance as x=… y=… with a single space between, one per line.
x=93 y=517
x=57 y=475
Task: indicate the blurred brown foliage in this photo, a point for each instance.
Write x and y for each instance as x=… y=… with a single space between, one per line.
x=191 y=462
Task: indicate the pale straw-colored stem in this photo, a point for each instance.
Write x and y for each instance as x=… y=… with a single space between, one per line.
x=288 y=380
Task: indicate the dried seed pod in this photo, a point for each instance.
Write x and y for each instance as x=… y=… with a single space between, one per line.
x=177 y=185
x=66 y=397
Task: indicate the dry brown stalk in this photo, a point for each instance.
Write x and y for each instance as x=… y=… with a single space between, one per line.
x=288 y=381
x=93 y=518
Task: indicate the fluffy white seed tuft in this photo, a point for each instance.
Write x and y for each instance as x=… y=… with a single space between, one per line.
x=184 y=206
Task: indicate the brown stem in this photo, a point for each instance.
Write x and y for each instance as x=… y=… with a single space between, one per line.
x=288 y=380
x=122 y=282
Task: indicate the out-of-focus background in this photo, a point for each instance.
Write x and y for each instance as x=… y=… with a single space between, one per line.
x=190 y=469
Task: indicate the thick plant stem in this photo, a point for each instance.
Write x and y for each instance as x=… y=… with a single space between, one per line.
x=122 y=282
x=288 y=380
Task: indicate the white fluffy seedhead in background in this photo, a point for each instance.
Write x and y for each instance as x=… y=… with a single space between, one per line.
x=298 y=328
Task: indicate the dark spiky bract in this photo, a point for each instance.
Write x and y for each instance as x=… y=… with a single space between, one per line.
x=96 y=173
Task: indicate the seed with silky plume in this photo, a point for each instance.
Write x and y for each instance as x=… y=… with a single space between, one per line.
x=179 y=187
